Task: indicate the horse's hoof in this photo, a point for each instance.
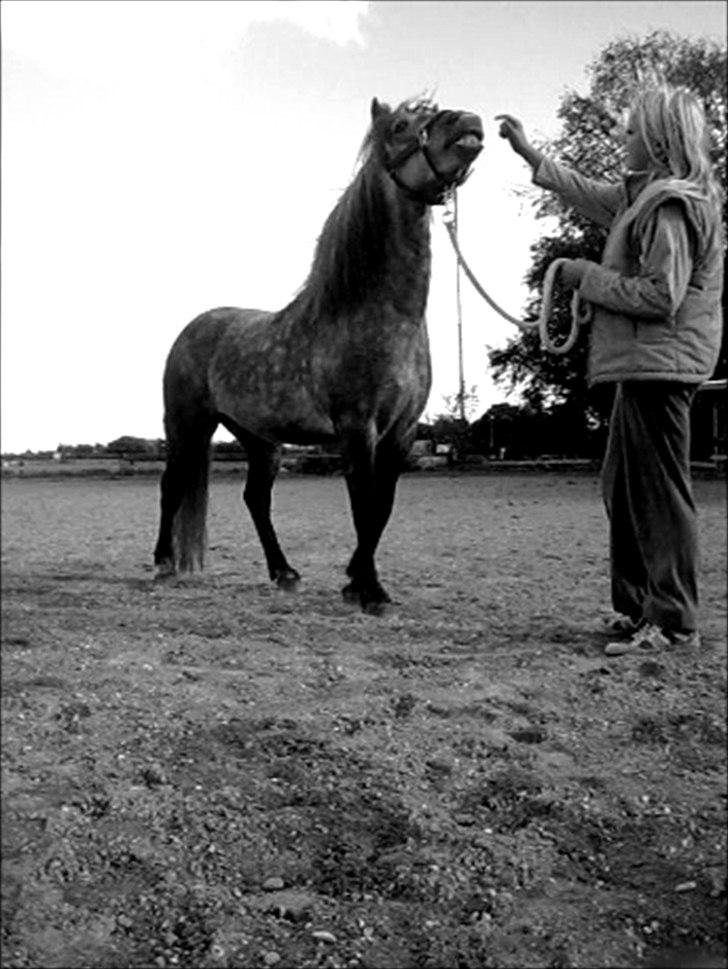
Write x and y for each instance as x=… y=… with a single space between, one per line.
x=375 y=593
x=375 y=608
x=350 y=593
x=164 y=570
x=288 y=581
x=373 y=601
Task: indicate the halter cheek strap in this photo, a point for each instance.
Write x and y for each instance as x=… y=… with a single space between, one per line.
x=421 y=143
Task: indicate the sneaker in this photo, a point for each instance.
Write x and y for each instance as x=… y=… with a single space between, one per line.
x=620 y=626
x=689 y=639
x=649 y=638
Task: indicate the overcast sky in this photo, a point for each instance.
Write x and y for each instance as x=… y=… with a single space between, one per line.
x=163 y=158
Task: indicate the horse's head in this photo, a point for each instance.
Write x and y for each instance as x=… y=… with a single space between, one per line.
x=426 y=150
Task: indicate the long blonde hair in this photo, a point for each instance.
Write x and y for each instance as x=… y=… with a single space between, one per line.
x=674 y=130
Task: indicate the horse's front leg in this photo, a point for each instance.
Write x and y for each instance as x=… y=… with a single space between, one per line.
x=263 y=465
x=371 y=481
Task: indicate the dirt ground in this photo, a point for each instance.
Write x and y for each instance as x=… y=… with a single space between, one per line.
x=211 y=772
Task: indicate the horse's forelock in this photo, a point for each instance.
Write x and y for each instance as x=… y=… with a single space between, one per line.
x=422 y=104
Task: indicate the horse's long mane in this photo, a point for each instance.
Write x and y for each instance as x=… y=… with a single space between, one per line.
x=359 y=235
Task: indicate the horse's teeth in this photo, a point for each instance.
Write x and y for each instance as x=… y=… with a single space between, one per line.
x=469 y=141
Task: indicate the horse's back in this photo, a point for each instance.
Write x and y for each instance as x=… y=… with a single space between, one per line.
x=201 y=337
x=187 y=370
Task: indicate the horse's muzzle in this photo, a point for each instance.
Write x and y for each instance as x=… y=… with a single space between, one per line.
x=467 y=139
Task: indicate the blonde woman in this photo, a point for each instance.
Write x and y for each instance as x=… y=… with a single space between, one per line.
x=655 y=333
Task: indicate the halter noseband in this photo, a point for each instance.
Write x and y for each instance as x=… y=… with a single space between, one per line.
x=420 y=143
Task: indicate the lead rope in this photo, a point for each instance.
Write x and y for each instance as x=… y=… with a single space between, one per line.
x=580 y=312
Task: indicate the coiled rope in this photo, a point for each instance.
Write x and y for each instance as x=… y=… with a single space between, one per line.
x=580 y=312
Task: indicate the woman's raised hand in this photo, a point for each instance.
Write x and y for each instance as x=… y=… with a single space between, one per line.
x=512 y=130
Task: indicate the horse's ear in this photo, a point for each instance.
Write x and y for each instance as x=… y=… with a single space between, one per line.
x=378 y=108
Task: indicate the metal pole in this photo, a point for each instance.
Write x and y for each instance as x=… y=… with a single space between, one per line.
x=461 y=373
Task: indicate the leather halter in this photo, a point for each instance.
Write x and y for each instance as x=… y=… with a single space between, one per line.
x=420 y=143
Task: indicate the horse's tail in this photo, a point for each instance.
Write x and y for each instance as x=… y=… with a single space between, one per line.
x=190 y=419
x=189 y=528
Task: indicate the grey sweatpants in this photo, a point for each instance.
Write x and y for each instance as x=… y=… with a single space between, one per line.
x=648 y=496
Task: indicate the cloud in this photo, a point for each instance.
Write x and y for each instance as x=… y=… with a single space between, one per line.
x=115 y=37
x=339 y=21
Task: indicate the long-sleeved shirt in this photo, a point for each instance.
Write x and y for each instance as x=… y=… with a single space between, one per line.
x=656 y=295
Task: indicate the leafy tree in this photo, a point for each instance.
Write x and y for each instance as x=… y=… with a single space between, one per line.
x=131 y=445
x=514 y=432
x=590 y=143
x=228 y=447
x=497 y=429
x=452 y=427
x=461 y=405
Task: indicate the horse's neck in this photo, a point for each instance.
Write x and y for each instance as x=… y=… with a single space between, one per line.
x=409 y=241
x=406 y=234
x=374 y=251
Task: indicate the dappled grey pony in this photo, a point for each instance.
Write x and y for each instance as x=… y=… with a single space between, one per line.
x=347 y=360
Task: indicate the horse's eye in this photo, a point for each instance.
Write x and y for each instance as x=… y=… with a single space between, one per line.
x=399 y=126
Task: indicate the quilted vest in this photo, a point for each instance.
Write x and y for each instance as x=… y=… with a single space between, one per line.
x=684 y=346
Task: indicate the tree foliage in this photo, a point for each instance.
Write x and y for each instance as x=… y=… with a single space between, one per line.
x=507 y=431
x=590 y=142
x=127 y=444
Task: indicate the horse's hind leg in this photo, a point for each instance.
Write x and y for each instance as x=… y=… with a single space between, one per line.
x=263 y=465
